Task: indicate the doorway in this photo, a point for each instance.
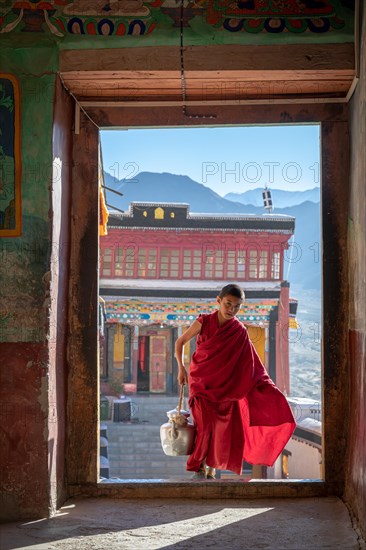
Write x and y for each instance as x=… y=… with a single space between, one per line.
x=175 y=240
x=143 y=364
x=334 y=144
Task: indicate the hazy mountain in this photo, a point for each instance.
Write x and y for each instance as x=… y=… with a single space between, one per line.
x=280 y=197
x=302 y=260
x=149 y=187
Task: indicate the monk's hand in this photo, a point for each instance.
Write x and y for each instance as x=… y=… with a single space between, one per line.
x=182 y=376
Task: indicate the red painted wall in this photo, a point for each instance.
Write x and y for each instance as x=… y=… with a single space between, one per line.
x=23 y=425
x=189 y=240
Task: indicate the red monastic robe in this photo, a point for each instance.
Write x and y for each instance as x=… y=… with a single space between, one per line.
x=238 y=411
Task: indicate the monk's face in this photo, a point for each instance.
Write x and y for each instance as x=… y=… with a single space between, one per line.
x=229 y=306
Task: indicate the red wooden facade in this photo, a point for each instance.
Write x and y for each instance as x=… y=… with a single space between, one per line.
x=161 y=254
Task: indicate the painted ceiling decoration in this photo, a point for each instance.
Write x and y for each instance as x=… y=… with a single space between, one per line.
x=143 y=17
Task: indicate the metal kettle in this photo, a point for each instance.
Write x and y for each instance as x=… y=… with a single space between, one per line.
x=177 y=436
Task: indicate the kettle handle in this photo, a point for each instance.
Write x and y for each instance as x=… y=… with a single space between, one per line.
x=181 y=398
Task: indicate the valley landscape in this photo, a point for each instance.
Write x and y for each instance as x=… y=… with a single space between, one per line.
x=305 y=345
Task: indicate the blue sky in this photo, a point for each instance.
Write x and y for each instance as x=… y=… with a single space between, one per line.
x=226 y=159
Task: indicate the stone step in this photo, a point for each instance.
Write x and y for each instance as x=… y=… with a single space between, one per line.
x=150 y=473
x=133 y=451
x=127 y=442
x=156 y=460
x=144 y=445
x=125 y=439
x=149 y=468
x=136 y=457
x=144 y=465
x=147 y=472
x=134 y=431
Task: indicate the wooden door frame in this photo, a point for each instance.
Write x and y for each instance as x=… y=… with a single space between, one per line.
x=83 y=425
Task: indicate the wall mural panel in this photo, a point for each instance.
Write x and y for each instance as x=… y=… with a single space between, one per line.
x=215 y=18
x=10 y=163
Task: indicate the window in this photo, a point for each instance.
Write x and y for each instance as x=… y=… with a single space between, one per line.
x=236 y=264
x=118 y=262
x=192 y=263
x=253 y=266
x=263 y=262
x=169 y=262
x=197 y=261
x=141 y=268
x=219 y=264
x=240 y=265
x=124 y=262
x=164 y=262
x=151 y=262
x=129 y=261
x=214 y=264
x=187 y=263
x=275 y=271
x=107 y=262
x=174 y=263
x=231 y=264
x=209 y=264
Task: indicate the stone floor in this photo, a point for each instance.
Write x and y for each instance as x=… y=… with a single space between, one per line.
x=271 y=524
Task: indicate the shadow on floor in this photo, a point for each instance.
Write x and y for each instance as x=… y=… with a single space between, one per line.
x=311 y=524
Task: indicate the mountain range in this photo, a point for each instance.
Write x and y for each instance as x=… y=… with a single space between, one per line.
x=150 y=187
x=280 y=197
x=302 y=260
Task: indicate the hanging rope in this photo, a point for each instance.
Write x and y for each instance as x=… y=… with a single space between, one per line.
x=182 y=71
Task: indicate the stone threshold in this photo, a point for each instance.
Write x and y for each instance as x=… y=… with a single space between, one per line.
x=205 y=489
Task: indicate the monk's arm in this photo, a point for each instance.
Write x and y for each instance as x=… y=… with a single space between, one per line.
x=193 y=330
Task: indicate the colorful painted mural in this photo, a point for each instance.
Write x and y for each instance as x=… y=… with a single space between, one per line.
x=142 y=17
x=10 y=162
x=175 y=312
x=272 y=16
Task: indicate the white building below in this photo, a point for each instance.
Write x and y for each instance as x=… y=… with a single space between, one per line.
x=302 y=456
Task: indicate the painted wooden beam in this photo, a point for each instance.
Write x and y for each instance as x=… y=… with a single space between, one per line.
x=228 y=73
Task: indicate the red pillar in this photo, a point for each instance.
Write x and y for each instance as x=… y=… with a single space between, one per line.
x=135 y=354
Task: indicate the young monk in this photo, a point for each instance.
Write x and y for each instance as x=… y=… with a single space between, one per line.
x=238 y=411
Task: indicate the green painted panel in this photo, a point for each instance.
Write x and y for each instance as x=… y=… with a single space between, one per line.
x=24 y=262
x=25 y=259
